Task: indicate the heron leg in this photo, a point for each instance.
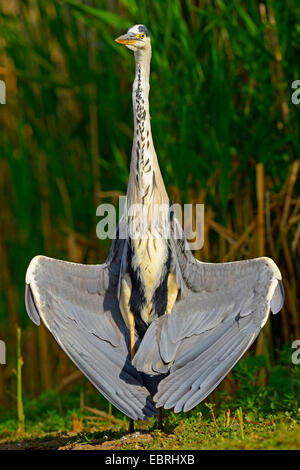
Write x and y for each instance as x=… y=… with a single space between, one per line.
x=172 y=292
x=129 y=321
x=127 y=314
x=131 y=426
x=160 y=419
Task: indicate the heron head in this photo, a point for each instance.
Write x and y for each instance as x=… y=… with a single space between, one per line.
x=136 y=38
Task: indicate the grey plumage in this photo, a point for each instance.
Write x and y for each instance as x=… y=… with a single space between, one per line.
x=79 y=305
x=210 y=328
x=152 y=326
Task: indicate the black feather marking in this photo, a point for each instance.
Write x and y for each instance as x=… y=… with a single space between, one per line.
x=143 y=29
x=137 y=298
x=161 y=293
x=171 y=209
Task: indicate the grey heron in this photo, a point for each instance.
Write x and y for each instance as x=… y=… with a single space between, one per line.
x=152 y=327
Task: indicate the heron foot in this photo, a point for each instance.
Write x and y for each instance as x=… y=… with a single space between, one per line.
x=160 y=419
x=131 y=426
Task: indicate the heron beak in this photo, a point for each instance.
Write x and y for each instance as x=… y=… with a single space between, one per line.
x=125 y=39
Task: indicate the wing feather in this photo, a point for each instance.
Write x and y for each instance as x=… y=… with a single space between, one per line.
x=220 y=313
x=79 y=305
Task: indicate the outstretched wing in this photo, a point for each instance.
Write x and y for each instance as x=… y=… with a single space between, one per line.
x=78 y=304
x=224 y=306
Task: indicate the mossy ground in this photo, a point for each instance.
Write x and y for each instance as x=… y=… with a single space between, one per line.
x=261 y=412
x=77 y=431
x=53 y=425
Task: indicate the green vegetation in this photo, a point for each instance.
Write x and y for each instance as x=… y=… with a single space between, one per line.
x=251 y=418
x=20 y=363
x=226 y=134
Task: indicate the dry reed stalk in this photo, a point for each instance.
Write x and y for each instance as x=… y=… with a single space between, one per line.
x=2 y=387
x=265 y=337
x=222 y=247
x=239 y=213
x=20 y=363
x=296 y=239
x=224 y=232
x=76 y=424
x=292 y=286
x=64 y=365
x=238 y=244
x=269 y=226
x=208 y=215
x=260 y=209
x=248 y=212
x=288 y=258
x=293 y=220
x=66 y=200
x=66 y=381
x=7 y=284
x=11 y=295
x=81 y=397
x=45 y=360
x=113 y=194
x=94 y=245
x=278 y=72
x=6 y=71
x=175 y=194
x=292 y=177
x=292 y=304
x=31 y=366
x=45 y=363
x=74 y=250
x=285 y=325
x=80 y=239
x=296 y=207
x=229 y=224
x=104 y=415
x=252 y=85
x=276 y=68
x=93 y=124
x=276 y=205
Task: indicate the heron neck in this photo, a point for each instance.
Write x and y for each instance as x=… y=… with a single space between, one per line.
x=145 y=174
x=140 y=99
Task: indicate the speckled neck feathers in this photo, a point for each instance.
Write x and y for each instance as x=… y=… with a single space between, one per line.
x=145 y=184
x=148 y=256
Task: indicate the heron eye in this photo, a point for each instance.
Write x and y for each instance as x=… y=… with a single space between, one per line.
x=142 y=35
x=137 y=36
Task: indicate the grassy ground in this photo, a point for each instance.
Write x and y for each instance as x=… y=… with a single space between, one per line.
x=263 y=412
x=78 y=431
